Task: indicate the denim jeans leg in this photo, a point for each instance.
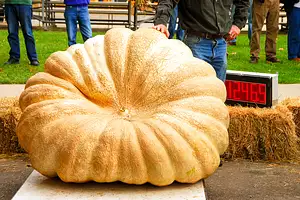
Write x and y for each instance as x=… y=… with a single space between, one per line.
x=13 y=31
x=250 y=20
x=219 y=59
x=211 y=51
x=25 y=15
x=179 y=33
x=84 y=23
x=294 y=33
x=71 y=23
x=172 y=22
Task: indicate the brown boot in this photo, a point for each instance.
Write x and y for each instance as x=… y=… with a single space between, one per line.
x=253 y=60
x=273 y=60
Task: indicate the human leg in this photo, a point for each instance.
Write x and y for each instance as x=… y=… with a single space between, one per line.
x=179 y=33
x=172 y=22
x=25 y=15
x=13 y=31
x=84 y=23
x=71 y=23
x=211 y=51
x=294 y=33
x=250 y=20
x=272 y=29
x=219 y=59
x=258 y=18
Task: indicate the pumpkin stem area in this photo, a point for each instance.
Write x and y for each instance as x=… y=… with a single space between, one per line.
x=124 y=113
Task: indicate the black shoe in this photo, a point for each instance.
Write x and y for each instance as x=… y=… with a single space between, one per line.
x=273 y=60
x=253 y=60
x=34 y=63
x=12 y=61
x=221 y=163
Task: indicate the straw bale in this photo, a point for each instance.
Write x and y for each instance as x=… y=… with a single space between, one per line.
x=262 y=134
x=293 y=104
x=10 y=114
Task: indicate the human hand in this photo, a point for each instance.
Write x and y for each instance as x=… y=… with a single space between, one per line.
x=162 y=28
x=233 y=33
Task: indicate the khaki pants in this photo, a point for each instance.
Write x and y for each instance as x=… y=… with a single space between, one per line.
x=268 y=11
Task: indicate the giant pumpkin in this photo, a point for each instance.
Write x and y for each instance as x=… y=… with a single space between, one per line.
x=130 y=106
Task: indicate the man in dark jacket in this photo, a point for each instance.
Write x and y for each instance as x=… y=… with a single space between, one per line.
x=292 y=8
x=20 y=11
x=77 y=11
x=206 y=24
x=264 y=10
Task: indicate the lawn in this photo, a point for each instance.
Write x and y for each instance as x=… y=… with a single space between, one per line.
x=239 y=56
x=48 y=42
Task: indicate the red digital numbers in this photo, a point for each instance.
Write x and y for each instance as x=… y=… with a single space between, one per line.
x=246 y=91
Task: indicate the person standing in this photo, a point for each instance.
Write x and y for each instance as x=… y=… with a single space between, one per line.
x=77 y=11
x=233 y=42
x=250 y=21
x=264 y=10
x=292 y=8
x=172 y=26
x=206 y=23
x=20 y=11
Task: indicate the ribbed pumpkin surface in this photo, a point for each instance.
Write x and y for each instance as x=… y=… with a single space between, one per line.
x=128 y=106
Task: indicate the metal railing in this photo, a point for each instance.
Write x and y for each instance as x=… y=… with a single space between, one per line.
x=49 y=13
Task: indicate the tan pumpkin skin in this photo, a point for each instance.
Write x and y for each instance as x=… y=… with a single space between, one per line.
x=128 y=106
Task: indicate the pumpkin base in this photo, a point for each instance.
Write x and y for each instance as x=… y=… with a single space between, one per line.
x=38 y=186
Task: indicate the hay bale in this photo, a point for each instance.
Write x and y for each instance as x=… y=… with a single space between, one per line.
x=262 y=133
x=293 y=104
x=10 y=114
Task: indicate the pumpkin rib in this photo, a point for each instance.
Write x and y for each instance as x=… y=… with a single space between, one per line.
x=154 y=154
x=182 y=132
x=131 y=149
x=90 y=56
x=56 y=66
x=159 y=134
x=162 y=71
x=182 y=115
x=151 y=126
x=105 y=162
x=43 y=92
x=60 y=64
x=206 y=127
x=138 y=133
x=45 y=78
x=169 y=92
x=82 y=62
x=107 y=77
x=96 y=134
x=34 y=111
x=115 y=50
x=203 y=104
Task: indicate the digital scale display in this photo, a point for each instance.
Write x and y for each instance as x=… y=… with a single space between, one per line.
x=251 y=89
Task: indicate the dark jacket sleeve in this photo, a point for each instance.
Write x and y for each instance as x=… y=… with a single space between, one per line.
x=241 y=13
x=289 y=4
x=163 y=11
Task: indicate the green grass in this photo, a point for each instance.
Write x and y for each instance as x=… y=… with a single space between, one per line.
x=238 y=57
x=47 y=42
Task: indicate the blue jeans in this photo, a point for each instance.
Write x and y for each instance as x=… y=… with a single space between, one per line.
x=211 y=51
x=80 y=14
x=250 y=20
x=172 y=26
x=294 y=33
x=14 y=14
